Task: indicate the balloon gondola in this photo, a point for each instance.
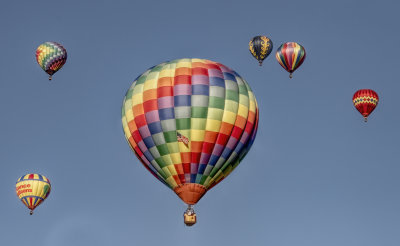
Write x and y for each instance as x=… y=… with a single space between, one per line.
x=189 y=217
x=190 y=122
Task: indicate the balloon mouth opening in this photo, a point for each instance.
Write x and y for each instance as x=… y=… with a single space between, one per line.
x=190 y=193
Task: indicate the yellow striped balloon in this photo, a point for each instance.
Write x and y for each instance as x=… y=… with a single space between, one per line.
x=33 y=189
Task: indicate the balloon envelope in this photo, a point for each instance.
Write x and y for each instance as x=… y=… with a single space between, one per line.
x=290 y=56
x=365 y=101
x=190 y=122
x=33 y=189
x=260 y=47
x=51 y=56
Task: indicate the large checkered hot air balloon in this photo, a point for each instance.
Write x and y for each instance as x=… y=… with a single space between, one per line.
x=190 y=122
x=51 y=56
x=33 y=189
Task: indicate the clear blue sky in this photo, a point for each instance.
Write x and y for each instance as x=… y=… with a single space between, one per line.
x=317 y=175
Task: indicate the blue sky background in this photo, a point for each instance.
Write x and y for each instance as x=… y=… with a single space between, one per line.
x=317 y=175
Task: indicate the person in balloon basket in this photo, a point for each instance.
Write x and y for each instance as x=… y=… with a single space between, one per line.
x=189 y=216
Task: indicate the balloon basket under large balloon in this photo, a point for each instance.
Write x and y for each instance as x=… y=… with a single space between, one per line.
x=31 y=212
x=189 y=217
x=260 y=63
x=291 y=75
x=365 y=119
x=50 y=77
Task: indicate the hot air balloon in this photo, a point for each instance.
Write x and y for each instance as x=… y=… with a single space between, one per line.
x=51 y=56
x=365 y=101
x=33 y=189
x=190 y=122
x=290 y=55
x=260 y=47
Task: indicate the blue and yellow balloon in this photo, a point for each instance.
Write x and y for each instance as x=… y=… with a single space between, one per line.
x=260 y=47
x=33 y=189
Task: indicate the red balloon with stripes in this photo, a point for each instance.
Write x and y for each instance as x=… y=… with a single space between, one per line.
x=365 y=101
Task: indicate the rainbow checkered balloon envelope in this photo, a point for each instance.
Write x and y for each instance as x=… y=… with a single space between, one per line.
x=190 y=122
x=51 y=56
